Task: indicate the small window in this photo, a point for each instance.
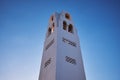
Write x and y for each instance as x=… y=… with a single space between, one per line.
x=64 y=25
x=49 y=31
x=52 y=18
x=67 y=16
x=47 y=62
x=69 y=42
x=70 y=60
x=51 y=42
x=70 y=28
x=53 y=27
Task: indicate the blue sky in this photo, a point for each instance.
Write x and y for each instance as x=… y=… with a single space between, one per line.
x=23 y=26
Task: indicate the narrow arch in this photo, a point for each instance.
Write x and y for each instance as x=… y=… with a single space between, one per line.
x=70 y=28
x=64 y=25
x=52 y=18
x=49 y=31
x=53 y=27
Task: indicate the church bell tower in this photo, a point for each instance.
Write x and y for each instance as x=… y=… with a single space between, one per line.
x=61 y=58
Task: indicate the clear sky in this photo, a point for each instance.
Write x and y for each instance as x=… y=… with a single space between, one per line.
x=23 y=25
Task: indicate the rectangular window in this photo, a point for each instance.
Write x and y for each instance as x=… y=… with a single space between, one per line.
x=51 y=42
x=69 y=42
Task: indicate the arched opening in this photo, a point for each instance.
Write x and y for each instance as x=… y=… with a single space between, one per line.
x=52 y=18
x=64 y=25
x=53 y=27
x=49 y=31
x=67 y=16
x=70 y=28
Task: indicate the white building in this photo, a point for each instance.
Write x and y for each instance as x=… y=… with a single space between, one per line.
x=61 y=58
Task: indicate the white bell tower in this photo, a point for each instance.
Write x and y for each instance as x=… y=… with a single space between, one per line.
x=61 y=58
